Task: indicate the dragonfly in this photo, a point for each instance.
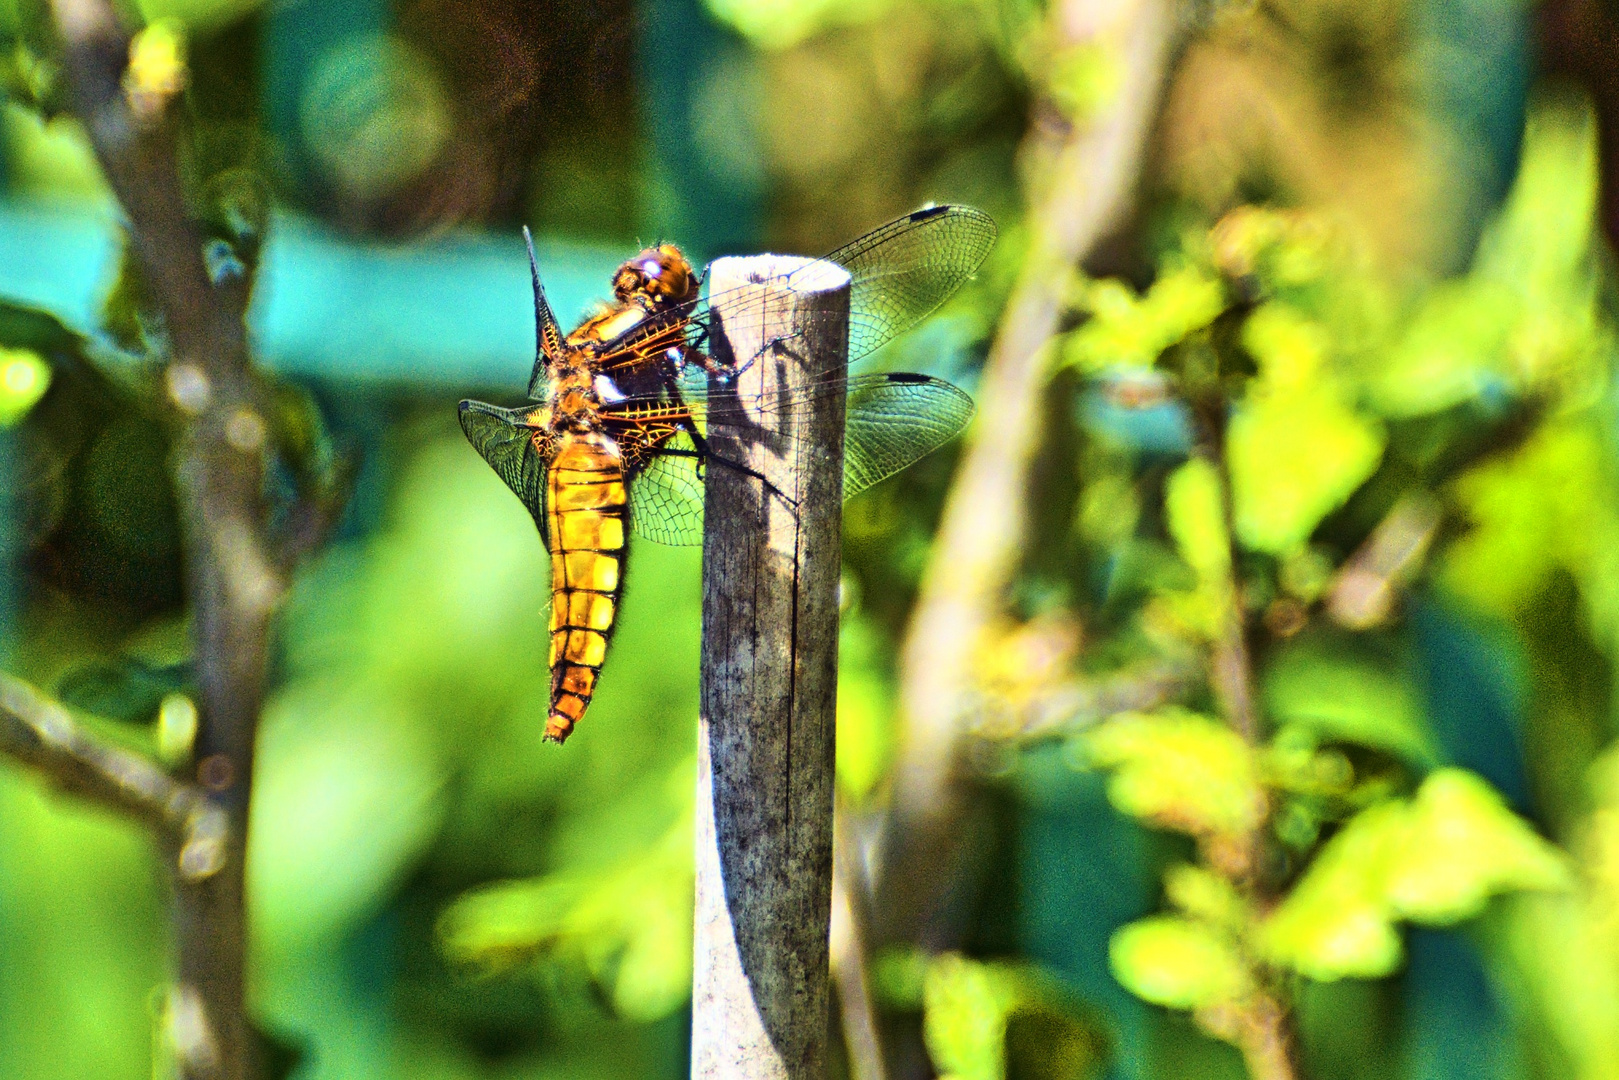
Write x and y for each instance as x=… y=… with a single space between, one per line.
x=614 y=440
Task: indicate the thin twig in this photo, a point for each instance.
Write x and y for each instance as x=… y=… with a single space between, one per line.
x=849 y=970
x=1230 y=669
x=1363 y=592
x=1080 y=703
x=41 y=734
x=1263 y=1031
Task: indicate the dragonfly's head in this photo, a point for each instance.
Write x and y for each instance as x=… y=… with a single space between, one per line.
x=659 y=275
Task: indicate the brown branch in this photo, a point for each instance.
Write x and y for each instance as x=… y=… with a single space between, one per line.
x=234 y=583
x=849 y=971
x=41 y=734
x=1090 y=179
x=1263 y=1028
x=1079 y=703
x=1363 y=592
x=1230 y=668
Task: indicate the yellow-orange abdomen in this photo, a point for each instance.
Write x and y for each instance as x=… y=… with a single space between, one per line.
x=587 y=520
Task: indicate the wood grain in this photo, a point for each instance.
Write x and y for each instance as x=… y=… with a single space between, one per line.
x=769 y=686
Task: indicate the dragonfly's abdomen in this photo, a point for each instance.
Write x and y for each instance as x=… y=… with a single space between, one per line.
x=586 y=506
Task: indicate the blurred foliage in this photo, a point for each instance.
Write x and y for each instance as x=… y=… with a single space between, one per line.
x=1353 y=248
x=986 y=1020
x=1320 y=398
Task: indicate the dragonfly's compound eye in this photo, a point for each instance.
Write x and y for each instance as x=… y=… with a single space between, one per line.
x=627 y=282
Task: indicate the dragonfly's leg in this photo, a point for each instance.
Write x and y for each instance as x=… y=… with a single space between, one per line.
x=769 y=346
x=699 y=349
x=705 y=456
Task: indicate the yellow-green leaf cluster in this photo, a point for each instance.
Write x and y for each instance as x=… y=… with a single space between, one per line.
x=1125 y=330
x=1332 y=695
x=1527 y=316
x=1435 y=859
x=1179 y=770
x=629 y=926
x=1297 y=448
x=965 y=1008
x=1195 y=516
x=1524 y=525
x=24 y=378
x=1179 y=963
x=1279 y=248
x=971 y=1009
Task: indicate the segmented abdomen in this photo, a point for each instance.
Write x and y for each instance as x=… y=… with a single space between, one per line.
x=588 y=518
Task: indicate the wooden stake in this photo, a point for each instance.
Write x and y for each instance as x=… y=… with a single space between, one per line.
x=769 y=687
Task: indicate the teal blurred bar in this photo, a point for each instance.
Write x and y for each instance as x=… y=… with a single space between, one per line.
x=454 y=311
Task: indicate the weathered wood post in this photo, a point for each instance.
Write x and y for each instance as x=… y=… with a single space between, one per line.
x=769 y=685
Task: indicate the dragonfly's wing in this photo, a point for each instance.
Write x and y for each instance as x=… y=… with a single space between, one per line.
x=547 y=333
x=902 y=271
x=896 y=419
x=507 y=444
x=892 y=420
x=666 y=497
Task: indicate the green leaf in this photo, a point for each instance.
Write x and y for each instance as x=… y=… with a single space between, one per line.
x=1528 y=311
x=1206 y=896
x=129 y=689
x=24 y=378
x=897 y=976
x=628 y=925
x=1524 y=525
x=1445 y=355
x=1179 y=770
x=865 y=728
x=965 y=1009
x=1196 y=520
x=1461 y=846
x=1082 y=78
x=781 y=24
x=1435 y=860
x=1125 y=331
x=977 y=1014
x=1296 y=450
x=1335 y=923
x=1325 y=689
x=1177 y=963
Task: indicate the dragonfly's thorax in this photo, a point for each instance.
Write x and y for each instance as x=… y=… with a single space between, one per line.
x=607 y=324
x=578 y=392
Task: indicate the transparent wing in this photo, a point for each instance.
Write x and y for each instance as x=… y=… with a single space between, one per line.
x=547 y=333
x=666 y=497
x=500 y=436
x=893 y=420
x=900 y=273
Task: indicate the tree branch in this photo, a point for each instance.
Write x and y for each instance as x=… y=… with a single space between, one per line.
x=1079 y=703
x=1090 y=179
x=39 y=733
x=234 y=582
